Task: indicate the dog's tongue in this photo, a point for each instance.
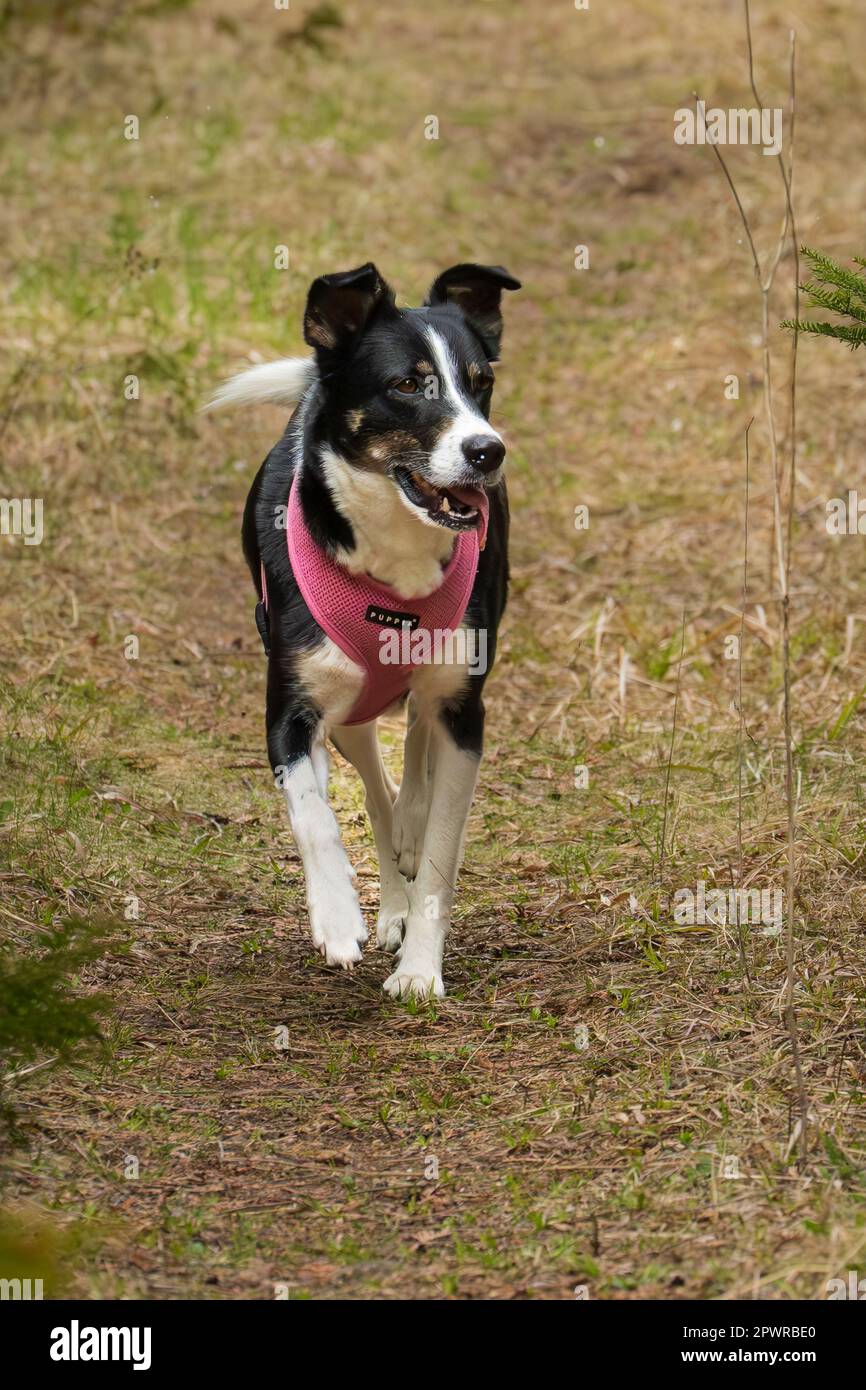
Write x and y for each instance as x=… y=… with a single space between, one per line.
x=475 y=497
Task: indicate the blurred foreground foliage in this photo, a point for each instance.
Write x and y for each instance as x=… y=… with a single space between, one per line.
x=75 y=16
x=32 y=1249
x=44 y=1017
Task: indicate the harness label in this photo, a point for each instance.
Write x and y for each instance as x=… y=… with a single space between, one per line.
x=389 y=617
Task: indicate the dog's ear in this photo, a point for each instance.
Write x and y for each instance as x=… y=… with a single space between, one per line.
x=476 y=289
x=339 y=306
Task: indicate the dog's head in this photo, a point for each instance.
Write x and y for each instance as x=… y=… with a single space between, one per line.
x=406 y=392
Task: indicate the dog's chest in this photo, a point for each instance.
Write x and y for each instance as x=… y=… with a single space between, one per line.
x=334 y=682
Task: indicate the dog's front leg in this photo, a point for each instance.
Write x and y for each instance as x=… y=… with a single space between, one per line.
x=411 y=806
x=336 y=921
x=431 y=895
x=360 y=745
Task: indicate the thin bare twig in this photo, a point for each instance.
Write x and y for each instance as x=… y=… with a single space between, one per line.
x=783 y=539
x=671 y=750
x=741 y=724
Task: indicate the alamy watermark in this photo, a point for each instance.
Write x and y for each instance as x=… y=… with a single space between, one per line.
x=22 y=516
x=467 y=646
x=846 y=516
x=701 y=906
x=77 y=1343
x=854 y=1288
x=20 y=1289
x=738 y=126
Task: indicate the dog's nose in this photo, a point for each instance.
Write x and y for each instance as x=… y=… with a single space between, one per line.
x=484 y=451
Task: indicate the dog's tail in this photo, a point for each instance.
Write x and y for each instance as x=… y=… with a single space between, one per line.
x=283 y=382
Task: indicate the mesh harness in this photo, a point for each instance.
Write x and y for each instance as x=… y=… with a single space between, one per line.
x=355 y=610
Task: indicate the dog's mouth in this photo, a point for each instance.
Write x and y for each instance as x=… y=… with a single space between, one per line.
x=458 y=508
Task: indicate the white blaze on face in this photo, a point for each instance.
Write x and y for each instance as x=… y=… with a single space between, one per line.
x=447 y=460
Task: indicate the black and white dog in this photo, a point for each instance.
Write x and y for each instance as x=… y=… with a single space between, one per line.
x=392 y=460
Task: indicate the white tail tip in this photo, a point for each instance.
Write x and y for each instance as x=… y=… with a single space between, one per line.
x=283 y=382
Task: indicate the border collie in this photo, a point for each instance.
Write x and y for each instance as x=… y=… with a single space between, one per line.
x=381 y=513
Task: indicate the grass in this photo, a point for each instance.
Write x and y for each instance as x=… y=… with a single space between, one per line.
x=605 y=1097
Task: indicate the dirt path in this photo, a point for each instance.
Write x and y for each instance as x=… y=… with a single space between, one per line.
x=605 y=1099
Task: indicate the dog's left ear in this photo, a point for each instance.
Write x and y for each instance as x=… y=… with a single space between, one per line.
x=477 y=290
x=340 y=306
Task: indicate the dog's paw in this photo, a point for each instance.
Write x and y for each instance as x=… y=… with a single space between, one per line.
x=338 y=929
x=390 y=928
x=410 y=821
x=343 y=951
x=393 y=911
x=422 y=983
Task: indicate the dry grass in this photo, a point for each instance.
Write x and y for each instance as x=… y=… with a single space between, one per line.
x=558 y=1164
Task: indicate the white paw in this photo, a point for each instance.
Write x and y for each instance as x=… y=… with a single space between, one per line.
x=410 y=821
x=344 y=951
x=393 y=911
x=423 y=983
x=389 y=929
x=337 y=927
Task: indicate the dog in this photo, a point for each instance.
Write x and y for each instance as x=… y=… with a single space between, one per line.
x=379 y=519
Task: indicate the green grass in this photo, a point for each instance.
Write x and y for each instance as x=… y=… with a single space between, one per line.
x=472 y=1147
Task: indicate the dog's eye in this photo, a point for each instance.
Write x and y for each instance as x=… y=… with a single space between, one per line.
x=407 y=386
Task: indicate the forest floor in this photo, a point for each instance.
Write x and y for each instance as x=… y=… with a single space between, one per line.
x=605 y=1101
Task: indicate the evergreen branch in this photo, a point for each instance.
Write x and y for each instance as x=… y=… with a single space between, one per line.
x=854 y=336
x=839 y=301
x=41 y=1010
x=829 y=272
x=839 y=290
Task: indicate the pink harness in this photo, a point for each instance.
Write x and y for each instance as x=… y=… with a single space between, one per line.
x=354 y=610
